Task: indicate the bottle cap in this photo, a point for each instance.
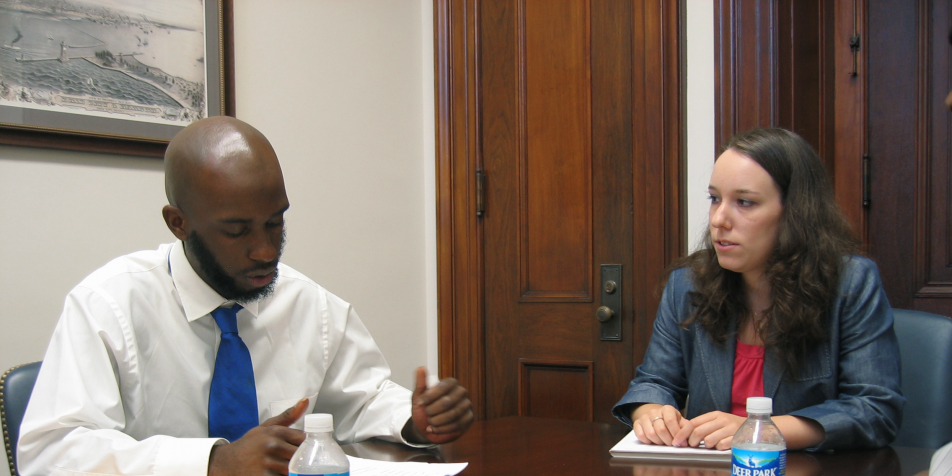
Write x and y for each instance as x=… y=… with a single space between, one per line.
x=759 y=405
x=318 y=422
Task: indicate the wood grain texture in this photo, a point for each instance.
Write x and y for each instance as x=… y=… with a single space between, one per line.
x=775 y=69
x=556 y=389
x=609 y=163
x=555 y=150
x=909 y=146
x=458 y=234
x=746 y=66
x=934 y=177
x=892 y=123
x=527 y=446
x=849 y=98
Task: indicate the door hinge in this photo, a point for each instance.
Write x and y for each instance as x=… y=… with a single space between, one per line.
x=866 y=191
x=480 y=192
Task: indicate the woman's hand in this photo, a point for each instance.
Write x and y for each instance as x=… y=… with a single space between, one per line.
x=715 y=429
x=640 y=470
x=658 y=425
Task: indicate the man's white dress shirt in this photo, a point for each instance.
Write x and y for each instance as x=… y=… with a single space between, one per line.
x=941 y=464
x=124 y=384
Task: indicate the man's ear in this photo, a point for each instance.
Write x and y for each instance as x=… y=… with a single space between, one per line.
x=176 y=221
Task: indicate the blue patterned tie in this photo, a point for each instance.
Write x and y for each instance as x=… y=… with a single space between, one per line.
x=232 y=401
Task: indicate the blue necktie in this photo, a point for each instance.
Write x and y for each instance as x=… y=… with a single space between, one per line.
x=232 y=401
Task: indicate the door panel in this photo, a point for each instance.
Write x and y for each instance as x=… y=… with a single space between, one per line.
x=570 y=109
x=909 y=149
x=556 y=389
x=555 y=148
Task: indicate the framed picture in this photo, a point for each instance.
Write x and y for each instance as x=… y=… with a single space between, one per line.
x=116 y=76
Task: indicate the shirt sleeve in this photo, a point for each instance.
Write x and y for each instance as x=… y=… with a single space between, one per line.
x=867 y=410
x=662 y=377
x=357 y=388
x=76 y=416
x=941 y=464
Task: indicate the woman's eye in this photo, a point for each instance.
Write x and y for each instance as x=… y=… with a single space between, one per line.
x=744 y=202
x=714 y=199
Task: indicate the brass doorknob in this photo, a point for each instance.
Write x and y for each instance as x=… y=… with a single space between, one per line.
x=604 y=314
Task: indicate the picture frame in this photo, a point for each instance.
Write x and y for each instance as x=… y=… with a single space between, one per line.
x=114 y=133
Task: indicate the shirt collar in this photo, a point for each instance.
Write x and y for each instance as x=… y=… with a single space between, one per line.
x=198 y=298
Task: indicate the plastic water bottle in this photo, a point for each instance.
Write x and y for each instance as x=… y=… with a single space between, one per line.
x=758 y=448
x=319 y=455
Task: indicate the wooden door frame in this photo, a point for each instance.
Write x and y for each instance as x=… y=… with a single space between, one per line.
x=460 y=272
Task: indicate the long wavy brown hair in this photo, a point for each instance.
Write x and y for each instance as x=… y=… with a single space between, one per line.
x=804 y=269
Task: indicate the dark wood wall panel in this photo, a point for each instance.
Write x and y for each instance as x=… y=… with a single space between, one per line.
x=555 y=150
x=849 y=105
x=909 y=135
x=746 y=66
x=934 y=218
x=773 y=69
x=892 y=122
x=873 y=111
x=940 y=176
x=556 y=389
x=804 y=96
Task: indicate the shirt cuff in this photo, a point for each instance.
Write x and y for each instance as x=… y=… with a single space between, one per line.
x=185 y=456
x=399 y=420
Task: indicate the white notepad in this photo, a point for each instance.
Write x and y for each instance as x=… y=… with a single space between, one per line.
x=631 y=447
x=369 y=467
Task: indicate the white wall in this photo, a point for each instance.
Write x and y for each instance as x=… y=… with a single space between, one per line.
x=338 y=89
x=699 y=25
x=62 y=215
x=344 y=92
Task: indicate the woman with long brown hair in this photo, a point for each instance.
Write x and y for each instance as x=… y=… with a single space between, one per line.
x=777 y=304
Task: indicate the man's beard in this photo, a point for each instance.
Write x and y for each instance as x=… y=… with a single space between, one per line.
x=219 y=279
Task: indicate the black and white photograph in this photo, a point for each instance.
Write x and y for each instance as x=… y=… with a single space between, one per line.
x=133 y=59
x=137 y=71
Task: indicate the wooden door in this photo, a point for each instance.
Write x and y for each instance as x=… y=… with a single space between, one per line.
x=567 y=150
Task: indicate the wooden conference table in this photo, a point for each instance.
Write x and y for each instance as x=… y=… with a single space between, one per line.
x=527 y=446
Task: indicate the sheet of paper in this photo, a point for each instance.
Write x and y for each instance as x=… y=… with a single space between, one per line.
x=369 y=467
x=630 y=447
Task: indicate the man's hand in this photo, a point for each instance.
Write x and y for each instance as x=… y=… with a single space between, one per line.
x=439 y=414
x=265 y=450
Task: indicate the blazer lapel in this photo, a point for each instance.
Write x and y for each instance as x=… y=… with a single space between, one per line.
x=718 y=362
x=771 y=375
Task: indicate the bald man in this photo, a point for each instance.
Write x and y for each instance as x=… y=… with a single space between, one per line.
x=140 y=377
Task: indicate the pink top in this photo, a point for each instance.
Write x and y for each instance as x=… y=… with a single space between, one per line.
x=748 y=376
